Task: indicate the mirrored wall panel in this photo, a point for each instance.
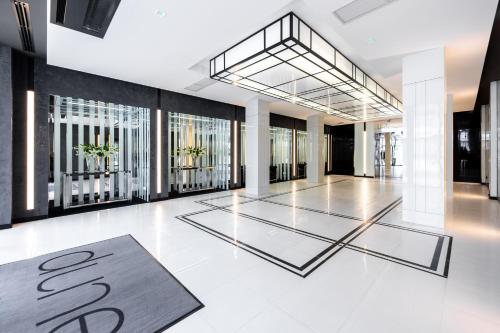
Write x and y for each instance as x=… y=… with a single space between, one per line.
x=243 y=152
x=281 y=154
x=200 y=153
x=99 y=152
x=301 y=154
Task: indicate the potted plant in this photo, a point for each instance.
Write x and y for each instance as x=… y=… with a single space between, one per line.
x=92 y=152
x=194 y=152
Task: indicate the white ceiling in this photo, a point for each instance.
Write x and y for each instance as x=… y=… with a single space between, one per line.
x=173 y=52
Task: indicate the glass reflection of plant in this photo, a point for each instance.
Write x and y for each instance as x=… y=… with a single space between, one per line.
x=96 y=153
x=194 y=152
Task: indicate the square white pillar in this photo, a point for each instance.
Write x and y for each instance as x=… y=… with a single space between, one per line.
x=485 y=130
x=388 y=154
x=315 y=140
x=424 y=97
x=494 y=111
x=258 y=156
x=364 y=150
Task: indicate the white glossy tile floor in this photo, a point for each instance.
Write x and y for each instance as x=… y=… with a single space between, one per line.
x=328 y=258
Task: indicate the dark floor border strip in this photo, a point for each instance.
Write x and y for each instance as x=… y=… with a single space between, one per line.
x=282 y=226
x=397 y=259
x=433 y=266
x=313 y=210
x=448 y=258
x=394 y=261
x=384 y=211
x=236 y=241
x=437 y=254
x=340 y=242
x=243 y=248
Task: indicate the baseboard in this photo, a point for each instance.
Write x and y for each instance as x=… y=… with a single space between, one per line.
x=364 y=176
x=29 y=219
x=492 y=198
x=5 y=226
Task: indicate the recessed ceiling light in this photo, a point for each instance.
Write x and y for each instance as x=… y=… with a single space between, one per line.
x=160 y=13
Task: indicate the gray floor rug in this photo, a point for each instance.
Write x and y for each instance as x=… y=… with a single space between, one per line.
x=109 y=286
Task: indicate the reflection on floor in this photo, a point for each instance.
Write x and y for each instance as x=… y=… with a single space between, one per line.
x=329 y=258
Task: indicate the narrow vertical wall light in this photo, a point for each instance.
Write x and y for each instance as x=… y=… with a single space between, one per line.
x=30 y=150
x=158 y=151
x=364 y=149
x=235 y=155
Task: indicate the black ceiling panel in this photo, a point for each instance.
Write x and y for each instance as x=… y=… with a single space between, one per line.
x=91 y=17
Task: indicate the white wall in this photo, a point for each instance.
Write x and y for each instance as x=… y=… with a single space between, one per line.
x=364 y=152
x=424 y=98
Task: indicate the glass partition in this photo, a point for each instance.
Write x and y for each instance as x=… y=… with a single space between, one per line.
x=200 y=153
x=99 y=152
x=281 y=154
x=243 y=152
x=301 y=154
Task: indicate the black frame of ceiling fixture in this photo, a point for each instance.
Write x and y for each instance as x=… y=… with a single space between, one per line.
x=356 y=96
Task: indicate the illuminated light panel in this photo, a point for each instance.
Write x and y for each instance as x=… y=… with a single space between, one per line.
x=290 y=61
x=30 y=150
x=158 y=151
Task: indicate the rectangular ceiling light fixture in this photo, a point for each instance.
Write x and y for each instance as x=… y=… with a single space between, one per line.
x=358 y=8
x=290 y=61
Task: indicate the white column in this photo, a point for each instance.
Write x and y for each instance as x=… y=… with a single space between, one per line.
x=494 y=109
x=388 y=154
x=449 y=145
x=424 y=98
x=483 y=144
x=257 y=147
x=364 y=150
x=315 y=139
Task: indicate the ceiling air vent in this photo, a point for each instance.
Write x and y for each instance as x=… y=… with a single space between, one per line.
x=60 y=11
x=358 y=8
x=91 y=17
x=22 y=11
x=202 y=84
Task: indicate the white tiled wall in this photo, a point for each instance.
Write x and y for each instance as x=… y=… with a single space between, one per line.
x=258 y=148
x=424 y=130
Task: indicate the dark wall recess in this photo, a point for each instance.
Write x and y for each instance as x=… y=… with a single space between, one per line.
x=343 y=149
x=466 y=147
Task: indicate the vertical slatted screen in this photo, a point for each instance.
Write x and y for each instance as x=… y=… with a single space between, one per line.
x=73 y=122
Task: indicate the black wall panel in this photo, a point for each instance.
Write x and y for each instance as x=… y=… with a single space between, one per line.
x=466 y=147
x=343 y=149
x=46 y=80
x=5 y=136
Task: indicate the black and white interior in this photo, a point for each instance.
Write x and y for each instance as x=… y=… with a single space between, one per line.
x=249 y=166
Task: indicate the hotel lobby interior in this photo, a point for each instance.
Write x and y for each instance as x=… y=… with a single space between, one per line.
x=303 y=166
